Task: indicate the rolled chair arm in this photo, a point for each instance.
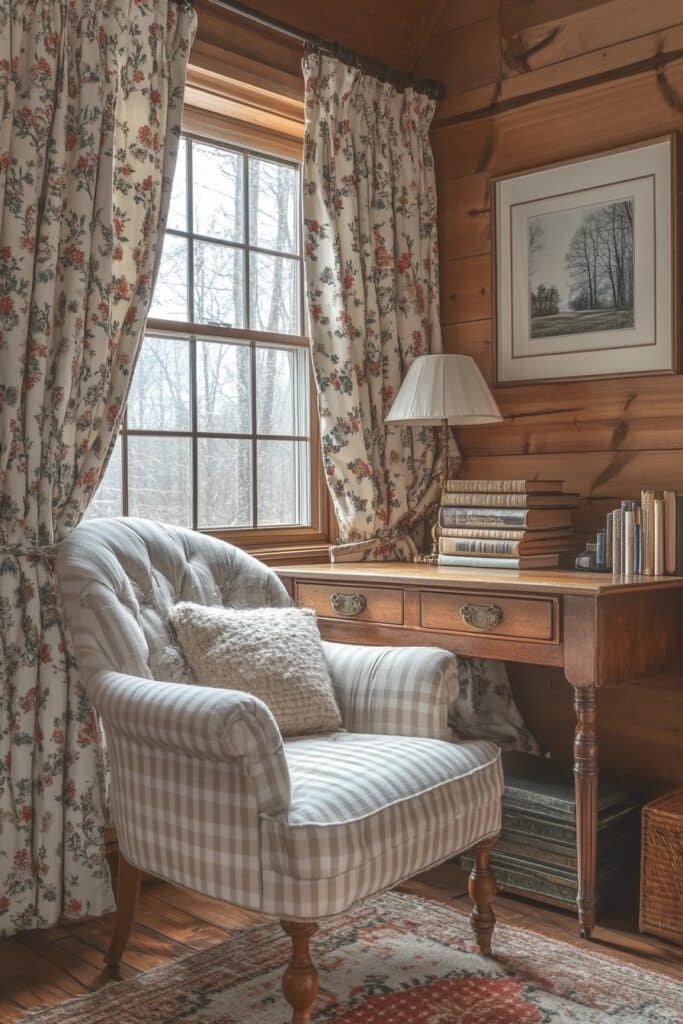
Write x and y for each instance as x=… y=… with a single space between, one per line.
x=212 y=724
x=399 y=691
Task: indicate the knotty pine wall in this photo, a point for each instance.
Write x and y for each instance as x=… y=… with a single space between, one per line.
x=533 y=82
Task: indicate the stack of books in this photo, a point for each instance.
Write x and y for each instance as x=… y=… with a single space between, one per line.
x=505 y=524
x=536 y=852
x=643 y=537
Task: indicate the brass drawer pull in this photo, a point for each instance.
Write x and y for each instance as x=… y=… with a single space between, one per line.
x=482 y=616
x=348 y=604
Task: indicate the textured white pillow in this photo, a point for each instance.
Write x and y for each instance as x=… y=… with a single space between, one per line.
x=275 y=654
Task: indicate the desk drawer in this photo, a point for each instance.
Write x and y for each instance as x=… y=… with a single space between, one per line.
x=364 y=604
x=491 y=615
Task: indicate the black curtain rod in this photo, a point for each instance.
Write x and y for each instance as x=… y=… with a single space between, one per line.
x=402 y=80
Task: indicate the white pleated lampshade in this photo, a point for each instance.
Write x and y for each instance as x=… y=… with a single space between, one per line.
x=444 y=387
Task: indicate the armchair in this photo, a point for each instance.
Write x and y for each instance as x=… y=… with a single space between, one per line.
x=205 y=791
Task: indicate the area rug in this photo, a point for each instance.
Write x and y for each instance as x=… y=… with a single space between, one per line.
x=395 y=959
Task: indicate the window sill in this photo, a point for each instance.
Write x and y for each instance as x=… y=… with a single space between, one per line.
x=306 y=552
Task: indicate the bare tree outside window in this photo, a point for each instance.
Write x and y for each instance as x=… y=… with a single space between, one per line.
x=217 y=431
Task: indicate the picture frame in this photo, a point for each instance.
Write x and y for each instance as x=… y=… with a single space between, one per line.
x=584 y=270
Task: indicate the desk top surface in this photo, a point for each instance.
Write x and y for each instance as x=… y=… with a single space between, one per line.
x=418 y=574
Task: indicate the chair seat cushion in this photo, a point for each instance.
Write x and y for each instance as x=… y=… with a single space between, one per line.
x=368 y=811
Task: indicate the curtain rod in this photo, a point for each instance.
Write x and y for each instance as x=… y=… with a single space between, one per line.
x=400 y=79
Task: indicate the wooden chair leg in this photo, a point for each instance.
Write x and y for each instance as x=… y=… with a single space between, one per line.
x=127 y=891
x=300 y=980
x=482 y=890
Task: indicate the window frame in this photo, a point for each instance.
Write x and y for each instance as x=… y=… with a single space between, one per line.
x=266 y=538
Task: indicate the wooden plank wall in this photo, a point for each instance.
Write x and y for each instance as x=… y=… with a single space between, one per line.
x=532 y=82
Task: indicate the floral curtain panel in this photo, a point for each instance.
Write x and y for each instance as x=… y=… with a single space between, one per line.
x=90 y=105
x=373 y=298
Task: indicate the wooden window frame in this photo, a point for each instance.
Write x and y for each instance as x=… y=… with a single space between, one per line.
x=216 y=123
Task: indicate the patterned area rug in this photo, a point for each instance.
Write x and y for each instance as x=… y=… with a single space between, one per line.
x=392 y=960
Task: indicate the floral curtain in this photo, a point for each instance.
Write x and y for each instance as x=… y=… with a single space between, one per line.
x=90 y=104
x=373 y=298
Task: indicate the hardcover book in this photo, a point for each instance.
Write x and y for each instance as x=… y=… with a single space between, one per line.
x=670 y=533
x=480 y=533
x=524 y=518
x=549 y=561
x=511 y=548
x=542 y=786
x=555 y=830
x=553 y=884
x=504 y=486
x=544 y=853
x=510 y=500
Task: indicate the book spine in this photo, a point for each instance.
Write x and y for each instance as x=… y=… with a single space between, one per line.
x=616 y=542
x=487 y=500
x=480 y=534
x=609 y=541
x=636 y=549
x=628 y=542
x=456 y=546
x=482 y=517
x=648 y=533
x=670 y=554
x=487 y=486
x=658 y=519
x=600 y=541
x=479 y=563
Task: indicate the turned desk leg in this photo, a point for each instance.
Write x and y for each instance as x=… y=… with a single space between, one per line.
x=586 y=793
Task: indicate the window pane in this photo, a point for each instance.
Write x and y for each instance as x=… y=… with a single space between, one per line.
x=217 y=192
x=274 y=294
x=170 y=292
x=159 y=479
x=273 y=205
x=281 y=390
x=218 y=285
x=224 y=471
x=283 y=483
x=223 y=388
x=160 y=392
x=177 y=214
x=107 y=500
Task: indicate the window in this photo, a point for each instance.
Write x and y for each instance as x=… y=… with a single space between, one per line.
x=217 y=433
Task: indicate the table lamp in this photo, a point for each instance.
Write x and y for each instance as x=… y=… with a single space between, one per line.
x=445 y=391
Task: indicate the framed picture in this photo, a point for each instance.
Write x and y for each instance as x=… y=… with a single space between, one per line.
x=585 y=264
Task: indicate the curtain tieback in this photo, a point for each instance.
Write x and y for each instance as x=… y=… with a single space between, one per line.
x=29 y=551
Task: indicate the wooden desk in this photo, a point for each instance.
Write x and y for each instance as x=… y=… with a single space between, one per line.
x=601 y=630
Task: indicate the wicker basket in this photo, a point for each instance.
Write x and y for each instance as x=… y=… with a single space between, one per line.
x=661 y=867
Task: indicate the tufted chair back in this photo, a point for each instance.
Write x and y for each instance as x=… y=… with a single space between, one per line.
x=119 y=577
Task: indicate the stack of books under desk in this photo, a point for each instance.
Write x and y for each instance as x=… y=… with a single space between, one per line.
x=505 y=524
x=536 y=852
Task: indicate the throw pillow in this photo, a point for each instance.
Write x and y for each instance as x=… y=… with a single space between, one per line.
x=275 y=654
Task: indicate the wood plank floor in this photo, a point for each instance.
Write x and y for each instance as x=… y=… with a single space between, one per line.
x=44 y=967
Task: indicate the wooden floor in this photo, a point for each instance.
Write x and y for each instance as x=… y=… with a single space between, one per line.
x=44 y=967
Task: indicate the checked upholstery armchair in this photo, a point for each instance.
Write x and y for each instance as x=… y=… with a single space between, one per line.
x=205 y=792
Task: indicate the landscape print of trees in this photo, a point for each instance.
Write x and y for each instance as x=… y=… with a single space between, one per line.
x=581 y=270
